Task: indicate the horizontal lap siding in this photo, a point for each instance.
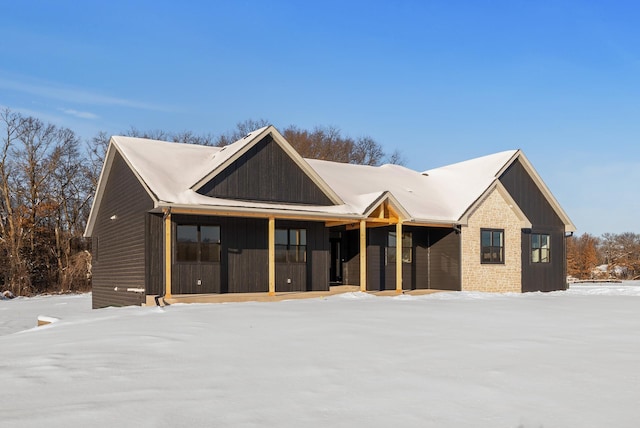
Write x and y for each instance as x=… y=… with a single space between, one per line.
x=119 y=253
x=537 y=276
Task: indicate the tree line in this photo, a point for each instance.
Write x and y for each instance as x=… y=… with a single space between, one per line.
x=48 y=176
x=609 y=256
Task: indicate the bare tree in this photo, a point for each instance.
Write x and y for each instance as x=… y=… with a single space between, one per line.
x=11 y=224
x=396 y=158
x=242 y=128
x=73 y=190
x=366 y=152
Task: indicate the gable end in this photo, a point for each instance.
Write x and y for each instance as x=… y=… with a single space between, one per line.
x=526 y=193
x=265 y=173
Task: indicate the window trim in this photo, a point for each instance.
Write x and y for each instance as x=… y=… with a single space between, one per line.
x=533 y=249
x=502 y=253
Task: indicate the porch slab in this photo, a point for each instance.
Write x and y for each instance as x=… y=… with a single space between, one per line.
x=265 y=297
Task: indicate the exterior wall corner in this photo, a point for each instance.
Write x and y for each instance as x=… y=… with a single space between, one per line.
x=494 y=213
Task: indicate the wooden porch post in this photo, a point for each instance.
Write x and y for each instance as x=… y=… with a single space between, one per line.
x=399 y=257
x=363 y=255
x=167 y=254
x=272 y=256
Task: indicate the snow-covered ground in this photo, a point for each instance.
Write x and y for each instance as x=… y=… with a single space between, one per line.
x=564 y=359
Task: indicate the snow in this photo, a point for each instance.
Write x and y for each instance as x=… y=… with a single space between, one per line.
x=441 y=195
x=563 y=359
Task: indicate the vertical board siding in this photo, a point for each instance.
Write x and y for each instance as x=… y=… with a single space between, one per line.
x=537 y=276
x=444 y=259
x=435 y=262
x=377 y=279
x=119 y=262
x=314 y=274
x=350 y=249
x=265 y=173
x=243 y=266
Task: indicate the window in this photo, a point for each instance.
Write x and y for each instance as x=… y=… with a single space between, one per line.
x=291 y=245
x=492 y=246
x=540 y=248
x=197 y=243
x=407 y=247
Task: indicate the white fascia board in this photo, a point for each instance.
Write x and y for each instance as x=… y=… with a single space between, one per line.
x=293 y=154
x=218 y=168
x=102 y=183
x=499 y=187
x=387 y=196
x=311 y=173
x=568 y=224
x=97 y=197
x=260 y=212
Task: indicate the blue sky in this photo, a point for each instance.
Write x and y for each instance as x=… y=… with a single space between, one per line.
x=442 y=81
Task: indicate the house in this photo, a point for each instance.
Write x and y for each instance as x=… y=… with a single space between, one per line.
x=174 y=219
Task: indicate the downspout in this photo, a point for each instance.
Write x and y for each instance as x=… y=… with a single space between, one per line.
x=166 y=215
x=458 y=231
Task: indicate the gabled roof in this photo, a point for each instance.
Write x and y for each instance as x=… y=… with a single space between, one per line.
x=227 y=155
x=465 y=182
x=172 y=173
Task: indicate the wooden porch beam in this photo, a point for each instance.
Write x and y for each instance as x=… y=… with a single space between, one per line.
x=272 y=256
x=363 y=255
x=399 y=257
x=167 y=255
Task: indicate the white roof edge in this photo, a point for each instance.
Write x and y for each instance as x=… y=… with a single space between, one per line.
x=384 y=196
x=304 y=165
x=267 y=212
x=497 y=185
x=97 y=197
x=568 y=224
x=248 y=144
x=102 y=182
x=293 y=154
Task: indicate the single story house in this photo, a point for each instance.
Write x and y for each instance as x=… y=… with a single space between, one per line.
x=172 y=219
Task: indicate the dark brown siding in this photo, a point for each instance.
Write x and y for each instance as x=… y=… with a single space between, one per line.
x=310 y=276
x=154 y=251
x=244 y=259
x=435 y=264
x=265 y=173
x=350 y=245
x=444 y=259
x=119 y=257
x=537 y=276
x=376 y=272
x=246 y=253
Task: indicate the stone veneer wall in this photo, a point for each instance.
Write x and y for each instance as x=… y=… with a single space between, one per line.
x=494 y=213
